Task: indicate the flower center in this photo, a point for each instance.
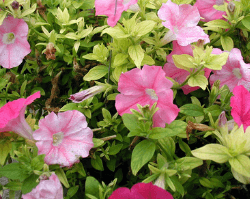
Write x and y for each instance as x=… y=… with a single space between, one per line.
x=237 y=73
x=9 y=38
x=58 y=138
x=219 y=2
x=152 y=94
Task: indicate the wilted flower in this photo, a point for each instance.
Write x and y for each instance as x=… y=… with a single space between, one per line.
x=63 y=138
x=240 y=104
x=207 y=10
x=12 y=116
x=141 y=191
x=147 y=86
x=235 y=72
x=46 y=189
x=88 y=93
x=112 y=10
x=50 y=51
x=13 y=42
x=182 y=23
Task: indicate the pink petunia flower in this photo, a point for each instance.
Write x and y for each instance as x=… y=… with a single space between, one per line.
x=113 y=11
x=147 y=86
x=141 y=191
x=178 y=74
x=12 y=116
x=51 y=188
x=207 y=10
x=182 y=23
x=240 y=104
x=235 y=72
x=13 y=42
x=63 y=138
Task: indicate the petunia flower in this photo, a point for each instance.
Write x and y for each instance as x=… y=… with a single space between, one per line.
x=207 y=10
x=240 y=104
x=51 y=188
x=88 y=93
x=178 y=74
x=13 y=42
x=12 y=116
x=63 y=138
x=181 y=20
x=112 y=10
x=147 y=86
x=235 y=72
x=141 y=191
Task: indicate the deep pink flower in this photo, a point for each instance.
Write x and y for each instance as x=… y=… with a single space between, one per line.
x=46 y=189
x=12 y=116
x=141 y=191
x=178 y=74
x=207 y=10
x=235 y=72
x=63 y=138
x=13 y=42
x=182 y=23
x=147 y=86
x=240 y=104
x=107 y=7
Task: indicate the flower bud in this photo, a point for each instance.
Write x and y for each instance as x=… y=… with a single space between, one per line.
x=231 y=7
x=15 y=5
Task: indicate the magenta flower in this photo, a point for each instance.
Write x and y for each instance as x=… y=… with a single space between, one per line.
x=182 y=23
x=147 y=86
x=46 y=189
x=63 y=138
x=12 y=116
x=240 y=104
x=13 y=42
x=207 y=10
x=235 y=72
x=108 y=8
x=178 y=74
x=141 y=191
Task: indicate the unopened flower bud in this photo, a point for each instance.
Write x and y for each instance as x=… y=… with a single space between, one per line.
x=231 y=7
x=15 y=5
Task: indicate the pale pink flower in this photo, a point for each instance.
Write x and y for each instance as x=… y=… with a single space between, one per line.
x=178 y=74
x=141 y=191
x=240 y=104
x=46 y=189
x=108 y=8
x=13 y=42
x=207 y=10
x=12 y=116
x=235 y=72
x=63 y=138
x=147 y=86
x=181 y=20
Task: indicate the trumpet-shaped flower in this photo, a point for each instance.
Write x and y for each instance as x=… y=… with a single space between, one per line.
x=147 y=86
x=13 y=42
x=178 y=74
x=182 y=23
x=112 y=9
x=235 y=72
x=141 y=191
x=12 y=116
x=207 y=10
x=46 y=189
x=63 y=138
x=240 y=104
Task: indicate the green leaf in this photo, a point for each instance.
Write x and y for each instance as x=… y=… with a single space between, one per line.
x=144 y=27
x=241 y=164
x=198 y=80
x=218 y=23
x=131 y=122
x=215 y=110
x=29 y=11
x=62 y=177
x=72 y=191
x=246 y=22
x=14 y=171
x=147 y=60
x=184 y=61
x=97 y=163
x=114 y=149
x=192 y=110
x=115 y=32
x=96 y=73
x=2 y=16
x=80 y=169
x=187 y=163
x=29 y=183
x=141 y=154
x=120 y=59
x=215 y=62
x=38 y=162
x=91 y=186
x=136 y=53
x=23 y=87
x=215 y=152
x=227 y=43
x=15 y=186
x=5 y=148
x=97 y=142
